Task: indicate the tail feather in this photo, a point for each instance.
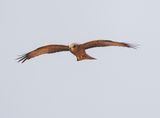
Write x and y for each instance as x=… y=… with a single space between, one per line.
x=85 y=56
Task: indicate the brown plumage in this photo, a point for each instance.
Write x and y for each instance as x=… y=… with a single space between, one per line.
x=76 y=49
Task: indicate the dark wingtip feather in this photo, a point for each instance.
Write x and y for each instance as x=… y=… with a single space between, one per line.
x=22 y=58
x=134 y=46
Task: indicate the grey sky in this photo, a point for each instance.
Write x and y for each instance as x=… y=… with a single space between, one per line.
x=121 y=83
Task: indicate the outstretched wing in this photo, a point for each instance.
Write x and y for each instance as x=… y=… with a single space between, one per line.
x=43 y=50
x=103 y=43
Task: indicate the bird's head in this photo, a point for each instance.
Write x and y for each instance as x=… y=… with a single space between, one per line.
x=73 y=46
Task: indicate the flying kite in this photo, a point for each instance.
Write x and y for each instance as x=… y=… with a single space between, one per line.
x=79 y=50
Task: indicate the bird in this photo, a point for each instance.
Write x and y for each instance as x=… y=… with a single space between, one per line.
x=78 y=50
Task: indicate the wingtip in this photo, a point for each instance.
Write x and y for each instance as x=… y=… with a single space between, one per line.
x=22 y=59
x=134 y=46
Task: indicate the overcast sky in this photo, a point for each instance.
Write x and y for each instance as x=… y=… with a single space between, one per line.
x=121 y=83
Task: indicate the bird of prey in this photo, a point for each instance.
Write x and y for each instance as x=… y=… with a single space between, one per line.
x=79 y=50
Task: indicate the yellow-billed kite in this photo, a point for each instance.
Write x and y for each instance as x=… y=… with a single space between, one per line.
x=76 y=49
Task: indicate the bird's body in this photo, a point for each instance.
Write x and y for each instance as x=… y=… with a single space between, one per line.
x=79 y=52
x=76 y=49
